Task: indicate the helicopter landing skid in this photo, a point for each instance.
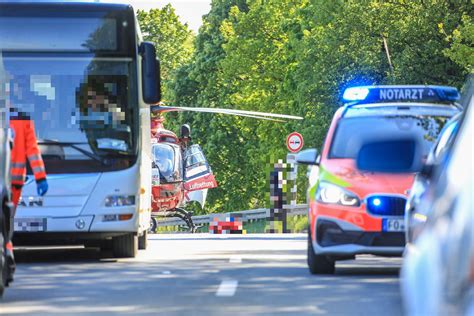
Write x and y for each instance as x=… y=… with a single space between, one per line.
x=179 y=213
x=186 y=217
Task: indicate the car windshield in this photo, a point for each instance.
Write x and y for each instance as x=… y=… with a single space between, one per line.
x=352 y=132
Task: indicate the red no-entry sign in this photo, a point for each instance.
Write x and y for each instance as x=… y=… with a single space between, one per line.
x=294 y=142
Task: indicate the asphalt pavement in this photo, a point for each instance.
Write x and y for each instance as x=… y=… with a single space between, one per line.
x=201 y=274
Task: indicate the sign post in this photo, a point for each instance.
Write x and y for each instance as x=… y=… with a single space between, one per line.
x=295 y=143
x=283 y=185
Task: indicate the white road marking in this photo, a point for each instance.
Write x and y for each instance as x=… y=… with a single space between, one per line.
x=235 y=259
x=227 y=288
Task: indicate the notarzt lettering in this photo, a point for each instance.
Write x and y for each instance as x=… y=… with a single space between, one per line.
x=401 y=94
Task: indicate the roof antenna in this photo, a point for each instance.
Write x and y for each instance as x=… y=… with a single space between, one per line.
x=387 y=51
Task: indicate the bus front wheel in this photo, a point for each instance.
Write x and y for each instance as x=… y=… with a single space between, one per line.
x=125 y=246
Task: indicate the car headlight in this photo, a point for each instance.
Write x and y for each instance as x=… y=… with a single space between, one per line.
x=333 y=194
x=119 y=200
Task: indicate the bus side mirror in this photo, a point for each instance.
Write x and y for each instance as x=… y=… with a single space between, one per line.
x=151 y=83
x=308 y=157
x=391 y=156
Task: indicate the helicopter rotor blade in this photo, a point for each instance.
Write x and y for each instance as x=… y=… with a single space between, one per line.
x=235 y=114
x=172 y=109
x=253 y=114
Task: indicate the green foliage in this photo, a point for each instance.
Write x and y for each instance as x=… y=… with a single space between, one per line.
x=173 y=40
x=462 y=44
x=296 y=57
x=298 y=223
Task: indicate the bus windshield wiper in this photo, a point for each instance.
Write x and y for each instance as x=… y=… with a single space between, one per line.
x=74 y=146
x=116 y=154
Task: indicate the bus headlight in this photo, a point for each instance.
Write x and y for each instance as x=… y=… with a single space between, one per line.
x=119 y=200
x=333 y=194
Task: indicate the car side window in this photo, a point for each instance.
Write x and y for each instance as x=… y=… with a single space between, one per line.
x=445 y=140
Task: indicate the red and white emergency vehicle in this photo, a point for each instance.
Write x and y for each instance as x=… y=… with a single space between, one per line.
x=353 y=212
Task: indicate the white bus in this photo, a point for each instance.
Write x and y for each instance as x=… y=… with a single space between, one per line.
x=81 y=72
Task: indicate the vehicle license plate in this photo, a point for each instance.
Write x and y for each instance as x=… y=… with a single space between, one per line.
x=393 y=225
x=30 y=224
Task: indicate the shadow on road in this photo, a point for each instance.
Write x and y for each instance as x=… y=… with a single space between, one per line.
x=61 y=255
x=367 y=271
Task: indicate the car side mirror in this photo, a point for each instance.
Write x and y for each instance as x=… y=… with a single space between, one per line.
x=390 y=156
x=427 y=170
x=151 y=83
x=308 y=157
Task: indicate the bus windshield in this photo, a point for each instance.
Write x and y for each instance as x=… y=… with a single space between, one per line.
x=90 y=34
x=75 y=28
x=79 y=88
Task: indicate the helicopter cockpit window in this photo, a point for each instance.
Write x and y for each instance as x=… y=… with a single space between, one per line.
x=194 y=156
x=195 y=163
x=164 y=158
x=195 y=160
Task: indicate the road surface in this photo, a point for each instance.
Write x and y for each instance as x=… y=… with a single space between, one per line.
x=201 y=275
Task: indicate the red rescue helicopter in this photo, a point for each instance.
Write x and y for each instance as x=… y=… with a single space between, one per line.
x=180 y=172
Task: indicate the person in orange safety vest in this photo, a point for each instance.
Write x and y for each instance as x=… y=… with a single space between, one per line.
x=25 y=147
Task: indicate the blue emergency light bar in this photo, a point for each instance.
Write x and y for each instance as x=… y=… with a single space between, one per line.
x=423 y=94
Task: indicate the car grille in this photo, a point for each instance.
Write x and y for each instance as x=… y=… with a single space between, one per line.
x=329 y=234
x=386 y=205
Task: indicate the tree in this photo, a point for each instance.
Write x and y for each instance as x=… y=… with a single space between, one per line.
x=219 y=136
x=296 y=57
x=461 y=50
x=173 y=41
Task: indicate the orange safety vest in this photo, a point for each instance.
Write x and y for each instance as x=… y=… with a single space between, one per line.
x=25 y=146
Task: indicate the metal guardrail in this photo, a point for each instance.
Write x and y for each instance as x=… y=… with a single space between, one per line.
x=249 y=215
